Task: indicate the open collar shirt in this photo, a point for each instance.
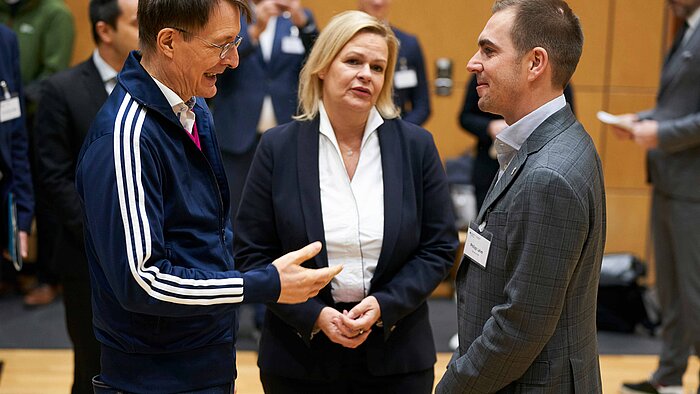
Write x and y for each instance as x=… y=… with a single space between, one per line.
x=183 y=111
x=353 y=210
x=509 y=141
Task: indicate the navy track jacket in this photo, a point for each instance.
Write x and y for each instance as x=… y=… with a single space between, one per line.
x=165 y=290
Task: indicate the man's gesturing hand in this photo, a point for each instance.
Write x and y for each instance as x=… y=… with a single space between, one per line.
x=298 y=284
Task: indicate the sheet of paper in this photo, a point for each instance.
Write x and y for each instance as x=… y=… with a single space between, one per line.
x=611 y=119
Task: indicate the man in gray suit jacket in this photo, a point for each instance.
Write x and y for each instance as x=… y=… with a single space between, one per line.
x=527 y=286
x=671 y=133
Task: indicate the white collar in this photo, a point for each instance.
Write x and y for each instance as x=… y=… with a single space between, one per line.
x=694 y=19
x=374 y=120
x=106 y=71
x=516 y=134
x=173 y=99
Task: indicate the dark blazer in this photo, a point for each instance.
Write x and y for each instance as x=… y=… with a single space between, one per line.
x=281 y=212
x=14 y=150
x=527 y=320
x=70 y=101
x=674 y=167
x=236 y=107
x=414 y=102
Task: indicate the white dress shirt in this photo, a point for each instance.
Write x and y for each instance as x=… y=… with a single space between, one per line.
x=511 y=139
x=182 y=110
x=107 y=73
x=266 y=41
x=692 y=21
x=353 y=211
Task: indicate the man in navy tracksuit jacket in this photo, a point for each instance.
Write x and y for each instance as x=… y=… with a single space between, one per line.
x=155 y=203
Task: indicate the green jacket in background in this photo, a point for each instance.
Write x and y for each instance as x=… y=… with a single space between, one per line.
x=45 y=31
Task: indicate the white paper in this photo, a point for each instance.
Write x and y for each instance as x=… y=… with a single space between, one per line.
x=611 y=119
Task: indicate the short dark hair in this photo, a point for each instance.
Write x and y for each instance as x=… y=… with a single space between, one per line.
x=190 y=15
x=552 y=25
x=106 y=11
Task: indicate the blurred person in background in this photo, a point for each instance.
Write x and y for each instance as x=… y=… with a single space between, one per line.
x=411 y=93
x=670 y=132
x=262 y=93
x=372 y=188
x=15 y=175
x=70 y=101
x=45 y=30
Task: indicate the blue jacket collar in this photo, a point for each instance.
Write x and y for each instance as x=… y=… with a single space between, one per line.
x=139 y=84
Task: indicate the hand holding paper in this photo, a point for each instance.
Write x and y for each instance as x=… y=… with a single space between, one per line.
x=623 y=125
x=624 y=122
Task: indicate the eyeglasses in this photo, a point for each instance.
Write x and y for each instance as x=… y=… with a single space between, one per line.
x=225 y=48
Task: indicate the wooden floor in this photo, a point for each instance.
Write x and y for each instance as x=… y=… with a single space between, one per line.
x=49 y=371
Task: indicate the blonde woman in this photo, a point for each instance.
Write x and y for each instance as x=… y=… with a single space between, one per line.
x=372 y=189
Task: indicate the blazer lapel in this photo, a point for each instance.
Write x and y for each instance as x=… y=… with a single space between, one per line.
x=676 y=65
x=309 y=187
x=280 y=31
x=500 y=186
x=93 y=85
x=550 y=128
x=392 y=173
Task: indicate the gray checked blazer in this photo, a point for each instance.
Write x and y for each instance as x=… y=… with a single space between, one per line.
x=674 y=168
x=527 y=320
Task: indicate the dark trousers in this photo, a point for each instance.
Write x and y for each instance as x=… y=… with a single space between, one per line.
x=86 y=349
x=675 y=233
x=355 y=379
x=102 y=388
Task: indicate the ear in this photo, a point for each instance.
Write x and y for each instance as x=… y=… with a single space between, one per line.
x=538 y=63
x=166 y=41
x=104 y=31
x=322 y=75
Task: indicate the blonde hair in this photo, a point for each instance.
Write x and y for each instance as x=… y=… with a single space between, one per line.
x=340 y=30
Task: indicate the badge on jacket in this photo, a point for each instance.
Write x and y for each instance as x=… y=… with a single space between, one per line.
x=477 y=245
x=9 y=105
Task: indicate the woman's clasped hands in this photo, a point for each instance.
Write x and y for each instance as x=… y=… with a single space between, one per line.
x=350 y=328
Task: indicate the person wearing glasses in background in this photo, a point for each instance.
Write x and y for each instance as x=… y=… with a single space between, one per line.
x=155 y=206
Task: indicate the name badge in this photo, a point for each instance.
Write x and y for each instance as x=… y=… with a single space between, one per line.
x=404 y=79
x=10 y=109
x=477 y=246
x=292 y=45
